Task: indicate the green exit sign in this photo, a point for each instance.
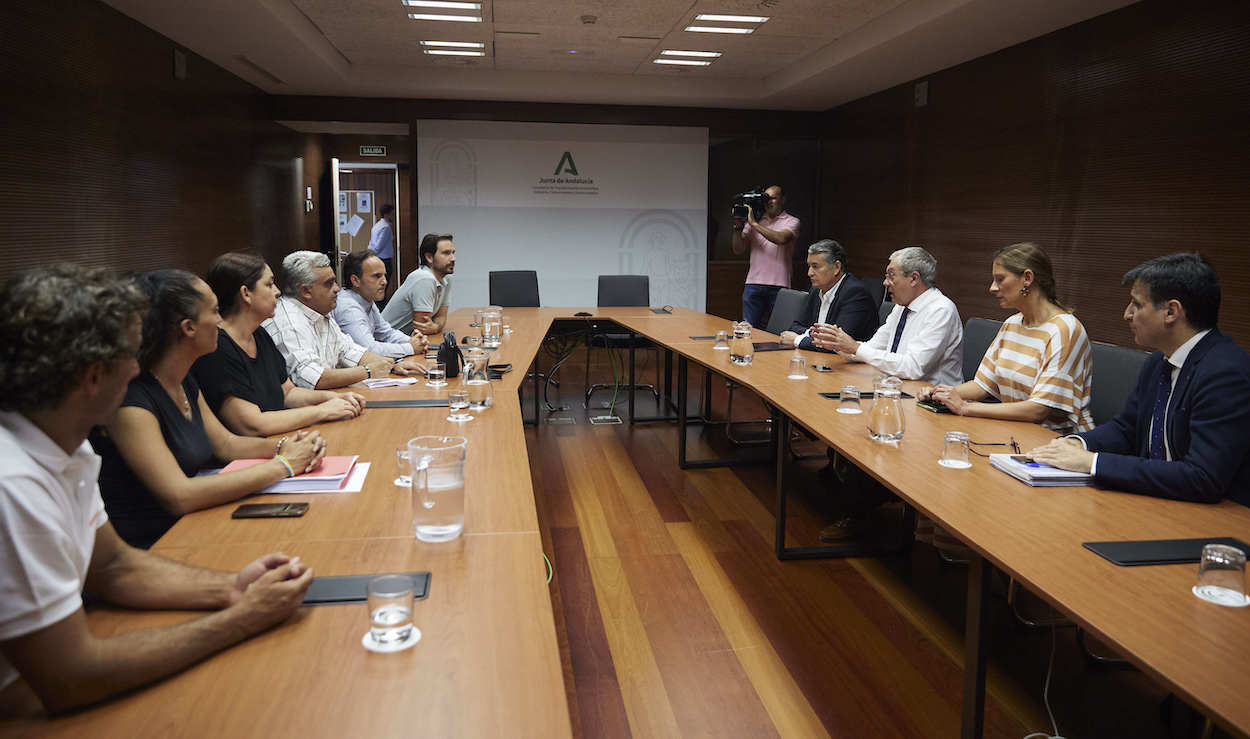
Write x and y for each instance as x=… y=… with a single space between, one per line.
x=373 y=151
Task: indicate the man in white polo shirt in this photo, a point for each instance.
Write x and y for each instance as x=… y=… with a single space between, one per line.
x=420 y=304
x=70 y=336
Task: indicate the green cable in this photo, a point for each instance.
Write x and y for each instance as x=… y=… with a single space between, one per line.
x=550 y=571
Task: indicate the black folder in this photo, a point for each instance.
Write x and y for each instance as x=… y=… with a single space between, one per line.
x=1158 y=551
x=325 y=591
x=408 y=403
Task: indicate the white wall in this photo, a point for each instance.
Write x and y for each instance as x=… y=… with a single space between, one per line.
x=637 y=205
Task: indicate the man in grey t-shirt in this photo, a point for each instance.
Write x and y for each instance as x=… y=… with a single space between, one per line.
x=421 y=302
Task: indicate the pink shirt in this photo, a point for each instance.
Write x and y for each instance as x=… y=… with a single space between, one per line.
x=770 y=263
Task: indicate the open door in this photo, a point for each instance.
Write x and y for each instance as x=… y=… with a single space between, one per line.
x=361 y=190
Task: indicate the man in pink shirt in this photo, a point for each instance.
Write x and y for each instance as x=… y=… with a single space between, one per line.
x=771 y=241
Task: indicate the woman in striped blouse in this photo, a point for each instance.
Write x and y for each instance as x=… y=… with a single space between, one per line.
x=1040 y=364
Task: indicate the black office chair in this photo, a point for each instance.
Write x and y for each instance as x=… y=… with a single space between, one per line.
x=1115 y=375
x=620 y=290
x=877 y=290
x=979 y=333
x=786 y=310
x=516 y=288
x=884 y=312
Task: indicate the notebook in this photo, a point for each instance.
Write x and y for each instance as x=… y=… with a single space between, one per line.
x=331 y=474
x=1038 y=474
x=1158 y=551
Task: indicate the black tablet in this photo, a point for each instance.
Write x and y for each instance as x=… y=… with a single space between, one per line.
x=1158 y=551
x=355 y=588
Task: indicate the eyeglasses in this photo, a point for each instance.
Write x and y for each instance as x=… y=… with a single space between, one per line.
x=1015 y=446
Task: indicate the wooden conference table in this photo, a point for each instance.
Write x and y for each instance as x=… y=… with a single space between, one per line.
x=488 y=662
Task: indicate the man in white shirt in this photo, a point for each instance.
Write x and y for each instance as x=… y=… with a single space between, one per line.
x=922 y=339
x=70 y=336
x=420 y=304
x=357 y=311
x=317 y=352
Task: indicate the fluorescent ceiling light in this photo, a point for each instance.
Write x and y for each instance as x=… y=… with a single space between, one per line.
x=455 y=44
x=731 y=18
x=454 y=52
x=436 y=17
x=682 y=62
x=701 y=54
x=709 y=29
x=442 y=4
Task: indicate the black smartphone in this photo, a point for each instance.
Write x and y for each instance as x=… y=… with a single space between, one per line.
x=822 y=368
x=933 y=405
x=270 y=510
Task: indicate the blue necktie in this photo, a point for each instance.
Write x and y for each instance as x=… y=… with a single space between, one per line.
x=1162 y=393
x=898 y=330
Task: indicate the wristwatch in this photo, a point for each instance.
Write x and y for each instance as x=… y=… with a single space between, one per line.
x=368 y=373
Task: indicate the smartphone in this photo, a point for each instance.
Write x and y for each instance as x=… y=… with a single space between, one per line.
x=933 y=405
x=270 y=510
x=822 y=368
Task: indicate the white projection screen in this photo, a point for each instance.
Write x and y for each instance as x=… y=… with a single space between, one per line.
x=570 y=201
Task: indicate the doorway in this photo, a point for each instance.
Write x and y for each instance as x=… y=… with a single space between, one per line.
x=361 y=191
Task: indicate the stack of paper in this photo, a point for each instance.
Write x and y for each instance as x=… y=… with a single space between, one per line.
x=328 y=476
x=390 y=381
x=1038 y=474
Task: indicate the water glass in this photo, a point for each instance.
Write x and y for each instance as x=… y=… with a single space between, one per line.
x=458 y=402
x=955 y=451
x=721 y=342
x=741 y=350
x=507 y=323
x=798 y=368
x=438 y=487
x=436 y=374
x=473 y=342
x=492 y=327
x=390 y=609
x=403 y=466
x=477 y=318
x=1222 y=576
x=848 y=401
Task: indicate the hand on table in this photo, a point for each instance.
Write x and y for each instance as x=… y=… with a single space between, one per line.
x=789 y=338
x=273 y=592
x=304 y=451
x=343 y=406
x=1065 y=453
x=409 y=366
x=946 y=395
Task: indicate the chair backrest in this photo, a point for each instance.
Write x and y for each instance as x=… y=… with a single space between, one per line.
x=516 y=288
x=1115 y=375
x=979 y=333
x=884 y=312
x=877 y=291
x=624 y=290
x=786 y=310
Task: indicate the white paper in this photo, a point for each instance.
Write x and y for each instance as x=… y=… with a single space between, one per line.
x=364 y=202
x=342 y=202
x=355 y=483
x=353 y=225
x=342 y=223
x=390 y=381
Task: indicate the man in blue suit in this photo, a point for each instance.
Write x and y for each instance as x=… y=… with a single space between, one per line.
x=836 y=299
x=1185 y=431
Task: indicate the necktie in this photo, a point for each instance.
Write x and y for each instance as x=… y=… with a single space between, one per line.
x=898 y=330
x=1162 y=392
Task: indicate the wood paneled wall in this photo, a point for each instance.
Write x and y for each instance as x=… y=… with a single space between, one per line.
x=110 y=160
x=1109 y=142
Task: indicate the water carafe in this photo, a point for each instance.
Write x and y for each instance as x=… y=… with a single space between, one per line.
x=477 y=379
x=885 y=420
x=741 y=350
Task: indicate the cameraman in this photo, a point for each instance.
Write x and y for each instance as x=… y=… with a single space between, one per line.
x=771 y=241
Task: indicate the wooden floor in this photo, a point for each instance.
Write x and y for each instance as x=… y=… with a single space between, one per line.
x=676 y=618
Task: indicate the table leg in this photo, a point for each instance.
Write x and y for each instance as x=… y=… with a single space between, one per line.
x=975 y=632
x=632 y=389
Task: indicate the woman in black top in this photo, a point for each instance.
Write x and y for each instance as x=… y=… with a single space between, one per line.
x=245 y=379
x=164 y=433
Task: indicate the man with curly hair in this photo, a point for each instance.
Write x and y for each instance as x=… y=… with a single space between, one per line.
x=68 y=340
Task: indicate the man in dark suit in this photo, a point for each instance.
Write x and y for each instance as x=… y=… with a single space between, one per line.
x=836 y=299
x=1185 y=431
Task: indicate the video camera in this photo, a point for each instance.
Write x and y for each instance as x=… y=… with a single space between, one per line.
x=755 y=199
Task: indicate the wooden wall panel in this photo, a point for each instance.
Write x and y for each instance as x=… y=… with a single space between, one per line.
x=1108 y=142
x=110 y=160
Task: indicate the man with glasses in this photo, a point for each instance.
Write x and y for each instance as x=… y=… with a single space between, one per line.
x=770 y=241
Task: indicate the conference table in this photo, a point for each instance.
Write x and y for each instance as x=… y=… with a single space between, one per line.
x=488 y=662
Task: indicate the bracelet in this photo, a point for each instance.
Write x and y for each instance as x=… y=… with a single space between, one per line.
x=290 y=472
x=368 y=372
x=278 y=449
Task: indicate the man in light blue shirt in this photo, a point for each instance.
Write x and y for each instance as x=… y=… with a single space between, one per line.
x=382 y=238
x=358 y=315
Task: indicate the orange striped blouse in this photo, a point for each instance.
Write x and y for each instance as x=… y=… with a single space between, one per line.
x=1049 y=364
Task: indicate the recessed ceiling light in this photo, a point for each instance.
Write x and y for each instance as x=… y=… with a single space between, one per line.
x=442 y=4
x=455 y=44
x=702 y=54
x=436 y=17
x=731 y=18
x=454 y=52
x=681 y=62
x=713 y=29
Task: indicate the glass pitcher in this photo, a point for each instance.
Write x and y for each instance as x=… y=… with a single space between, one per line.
x=885 y=420
x=437 y=486
x=477 y=379
x=492 y=327
x=741 y=350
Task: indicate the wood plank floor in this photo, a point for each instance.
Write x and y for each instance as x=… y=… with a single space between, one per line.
x=676 y=619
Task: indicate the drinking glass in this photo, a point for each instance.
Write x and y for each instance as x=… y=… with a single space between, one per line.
x=848 y=400
x=477 y=318
x=458 y=402
x=435 y=374
x=492 y=327
x=1222 y=576
x=721 y=342
x=438 y=487
x=798 y=368
x=507 y=323
x=473 y=342
x=404 y=467
x=955 y=451
x=390 y=609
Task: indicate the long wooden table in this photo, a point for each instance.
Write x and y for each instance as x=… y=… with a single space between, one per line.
x=488 y=663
